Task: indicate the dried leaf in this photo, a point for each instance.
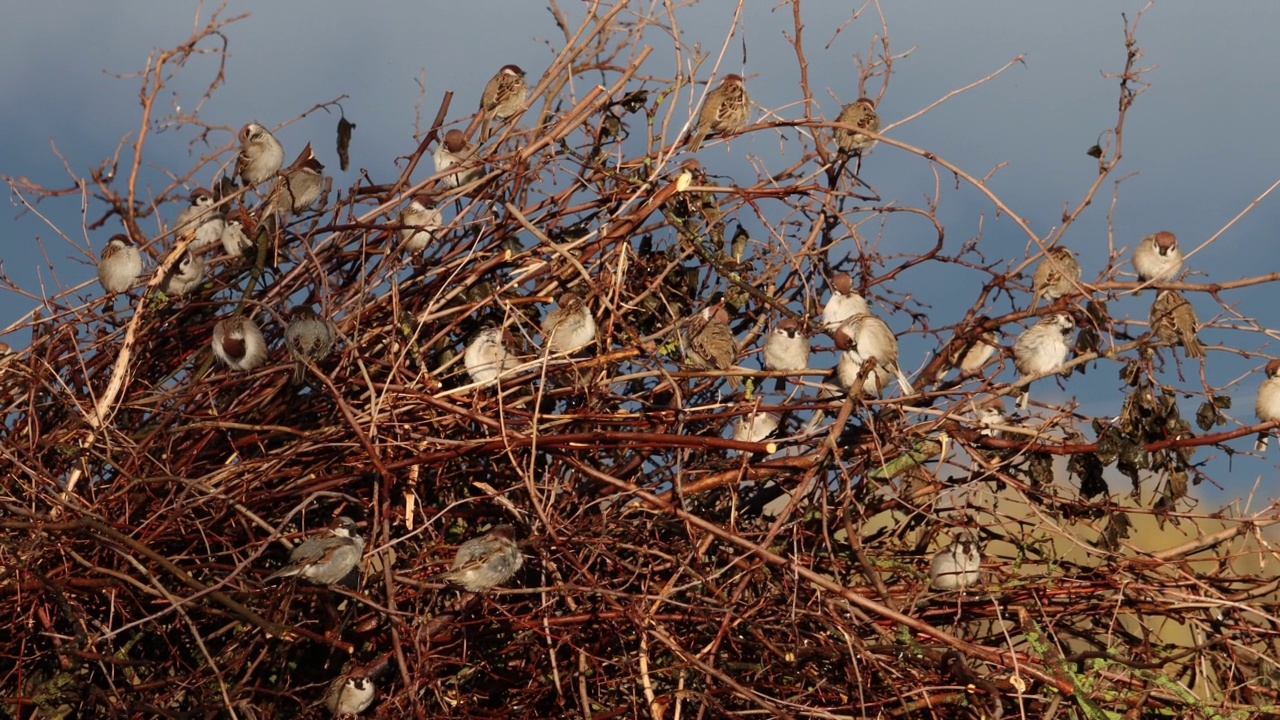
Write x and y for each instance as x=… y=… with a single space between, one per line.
x=344 y=141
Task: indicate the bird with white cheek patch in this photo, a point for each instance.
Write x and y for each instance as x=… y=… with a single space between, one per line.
x=120 y=265
x=1041 y=348
x=239 y=344
x=261 y=155
x=1157 y=257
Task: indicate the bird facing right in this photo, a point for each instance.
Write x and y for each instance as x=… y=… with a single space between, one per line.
x=1041 y=348
x=299 y=185
x=234 y=241
x=570 y=326
x=958 y=565
x=1267 y=404
x=184 y=276
x=866 y=337
x=1157 y=257
x=1055 y=276
x=503 y=97
x=485 y=562
x=239 y=344
x=308 y=337
x=120 y=264
x=201 y=219
x=843 y=304
x=1174 y=322
x=708 y=340
x=455 y=150
x=261 y=155
x=860 y=113
x=326 y=558
x=724 y=111
x=421 y=219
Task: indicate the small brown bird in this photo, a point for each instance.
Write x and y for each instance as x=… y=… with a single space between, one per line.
x=201 y=219
x=724 y=111
x=755 y=427
x=486 y=356
x=299 y=185
x=261 y=155
x=570 y=326
x=1041 y=348
x=455 y=150
x=234 y=240
x=1267 y=404
x=786 y=348
x=958 y=565
x=325 y=558
x=1174 y=322
x=421 y=219
x=308 y=337
x=860 y=113
x=1055 y=276
x=843 y=304
x=349 y=695
x=239 y=344
x=708 y=340
x=503 y=97
x=184 y=276
x=1157 y=257
x=864 y=337
x=120 y=264
x=486 y=562
x=970 y=357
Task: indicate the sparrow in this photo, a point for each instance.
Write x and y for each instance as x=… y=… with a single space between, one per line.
x=1267 y=404
x=239 y=344
x=1055 y=276
x=570 y=326
x=120 y=264
x=974 y=354
x=503 y=97
x=200 y=218
x=455 y=150
x=991 y=416
x=299 y=185
x=1157 y=257
x=260 y=154
x=349 y=695
x=326 y=558
x=1173 y=321
x=786 y=348
x=421 y=219
x=486 y=562
x=864 y=337
x=308 y=337
x=724 y=111
x=956 y=566
x=486 y=356
x=843 y=304
x=708 y=341
x=234 y=241
x=1041 y=348
x=860 y=113
x=755 y=427
x=185 y=275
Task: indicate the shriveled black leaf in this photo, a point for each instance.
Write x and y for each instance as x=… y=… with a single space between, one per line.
x=1088 y=468
x=1109 y=441
x=1131 y=373
x=1094 y=151
x=1117 y=529
x=634 y=100
x=1131 y=461
x=1222 y=401
x=1039 y=469
x=344 y=141
x=1207 y=416
x=1097 y=312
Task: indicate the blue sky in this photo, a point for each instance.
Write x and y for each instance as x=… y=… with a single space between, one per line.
x=1199 y=143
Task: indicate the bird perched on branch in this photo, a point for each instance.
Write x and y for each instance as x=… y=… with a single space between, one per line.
x=708 y=340
x=1267 y=404
x=120 y=265
x=239 y=344
x=308 y=337
x=1174 y=322
x=503 y=97
x=349 y=695
x=755 y=427
x=1157 y=257
x=724 y=111
x=1041 y=348
x=201 y=219
x=486 y=356
x=786 y=348
x=234 y=240
x=958 y=565
x=485 y=562
x=570 y=326
x=326 y=558
x=421 y=219
x=455 y=150
x=866 y=337
x=261 y=155
x=1055 y=276
x=299 y=185
x=184 y=276
x=861 y=114
x=843 y=304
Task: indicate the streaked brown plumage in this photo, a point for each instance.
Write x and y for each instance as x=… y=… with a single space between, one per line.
x=1173 y=321
x=1055 y=276
x=860 y=113
x=503 y=96
x=724 y=111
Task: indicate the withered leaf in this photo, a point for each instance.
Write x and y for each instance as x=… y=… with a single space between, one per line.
x=344 y=141
x=1089 y=469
